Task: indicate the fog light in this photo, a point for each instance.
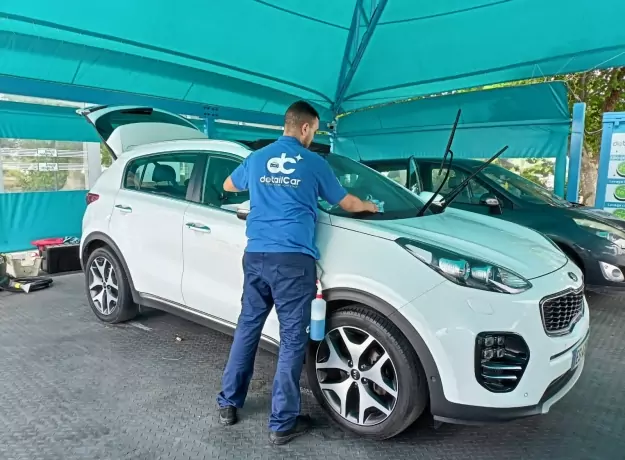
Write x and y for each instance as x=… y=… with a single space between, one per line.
x=500 y=360
x=611 y=272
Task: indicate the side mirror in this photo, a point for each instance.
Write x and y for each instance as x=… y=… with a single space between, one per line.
x=243 y=210
x=492 y=202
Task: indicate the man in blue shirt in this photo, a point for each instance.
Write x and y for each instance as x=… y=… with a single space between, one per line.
x=284 y=180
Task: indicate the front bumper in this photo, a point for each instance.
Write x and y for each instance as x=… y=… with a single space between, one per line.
x=595 y=281
x=449 y=317
x=446 y=411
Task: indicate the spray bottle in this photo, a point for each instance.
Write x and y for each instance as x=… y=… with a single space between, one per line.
x=318 y=316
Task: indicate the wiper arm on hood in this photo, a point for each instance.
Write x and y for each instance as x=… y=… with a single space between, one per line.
x=456 y=191
x=448 y=152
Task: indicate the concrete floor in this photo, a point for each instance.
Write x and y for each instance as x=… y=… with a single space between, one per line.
x=72 y=387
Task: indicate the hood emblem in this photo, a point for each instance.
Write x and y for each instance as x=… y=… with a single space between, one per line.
x=573 y=276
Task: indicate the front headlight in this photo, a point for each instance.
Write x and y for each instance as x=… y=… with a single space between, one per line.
x=612 y=234
x=466 y=271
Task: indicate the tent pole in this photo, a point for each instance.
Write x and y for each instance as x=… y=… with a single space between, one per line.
x=560 y=174
x=211 y=113
x=575 y=151
x=1 y=175
x=356 y=45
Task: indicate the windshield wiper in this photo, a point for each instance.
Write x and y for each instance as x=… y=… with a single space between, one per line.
x=456 y=191
x=448 y=152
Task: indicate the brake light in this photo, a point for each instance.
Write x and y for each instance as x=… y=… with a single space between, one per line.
x=91 y=197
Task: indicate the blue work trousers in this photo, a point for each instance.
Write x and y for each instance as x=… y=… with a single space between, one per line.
x=288 y=281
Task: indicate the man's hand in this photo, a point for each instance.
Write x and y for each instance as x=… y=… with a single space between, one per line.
x=370 y=207
x=352 y=203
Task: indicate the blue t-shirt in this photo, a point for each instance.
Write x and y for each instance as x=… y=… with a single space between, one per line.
x=285 y=180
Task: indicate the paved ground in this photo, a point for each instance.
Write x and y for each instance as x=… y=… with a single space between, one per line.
x=74 y=388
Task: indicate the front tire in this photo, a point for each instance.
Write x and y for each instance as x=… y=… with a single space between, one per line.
x=366 y=375
x=108 y=289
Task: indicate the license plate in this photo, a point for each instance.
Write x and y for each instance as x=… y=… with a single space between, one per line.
x=578 y=354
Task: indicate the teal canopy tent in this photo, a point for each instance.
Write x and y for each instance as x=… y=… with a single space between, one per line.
x=260 y=55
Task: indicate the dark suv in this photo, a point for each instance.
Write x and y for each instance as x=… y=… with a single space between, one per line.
x=594 y=239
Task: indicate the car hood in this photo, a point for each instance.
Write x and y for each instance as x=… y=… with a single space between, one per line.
x=496 y=241
x=598 y=215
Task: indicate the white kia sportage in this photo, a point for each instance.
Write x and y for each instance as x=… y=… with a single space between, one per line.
x=484 y=319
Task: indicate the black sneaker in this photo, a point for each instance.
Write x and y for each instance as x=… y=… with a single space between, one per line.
x=302 y=426
x=228 y=415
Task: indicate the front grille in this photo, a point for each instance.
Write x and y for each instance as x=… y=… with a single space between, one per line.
x=561 y=311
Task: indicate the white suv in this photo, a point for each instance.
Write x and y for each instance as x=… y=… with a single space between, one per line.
x=483 y=319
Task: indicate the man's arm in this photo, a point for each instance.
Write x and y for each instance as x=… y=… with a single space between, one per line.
x=237 y=181
x=333 y=192
x=352 y=203
x=229 y=185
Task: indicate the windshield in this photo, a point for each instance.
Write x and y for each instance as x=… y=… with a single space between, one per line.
x=367 y=184
x=522 y=188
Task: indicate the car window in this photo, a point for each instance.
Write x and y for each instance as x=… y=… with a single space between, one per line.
x=167 y=174
x=469 y=195
x=218 y=169
x=367 y=184
x=522 y=188
x=399 y=175
x=477 y=189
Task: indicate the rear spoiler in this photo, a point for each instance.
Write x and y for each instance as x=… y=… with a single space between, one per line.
x=85 y=113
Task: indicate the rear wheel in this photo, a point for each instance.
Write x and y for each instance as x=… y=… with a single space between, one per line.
x=108 y=289
x=365 y=374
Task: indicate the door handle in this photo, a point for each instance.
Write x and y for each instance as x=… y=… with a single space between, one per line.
x=123 y=208
x=198 y=227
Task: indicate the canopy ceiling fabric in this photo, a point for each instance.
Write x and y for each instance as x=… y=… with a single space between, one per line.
x=533 y=120
x=261 y=55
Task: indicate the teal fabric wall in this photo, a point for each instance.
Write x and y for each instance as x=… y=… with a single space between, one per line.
x=533 y=120
x=45 y=122
x=25 y=217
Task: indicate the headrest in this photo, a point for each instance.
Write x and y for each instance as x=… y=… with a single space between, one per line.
x=454 y=181
x=164 y=173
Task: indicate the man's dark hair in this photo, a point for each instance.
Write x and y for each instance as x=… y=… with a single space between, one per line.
x=300 y=112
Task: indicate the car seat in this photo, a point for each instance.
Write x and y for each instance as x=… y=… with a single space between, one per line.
x=454 y=182
x=164 y=177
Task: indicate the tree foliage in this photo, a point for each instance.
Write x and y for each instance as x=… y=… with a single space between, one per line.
x=106 y=159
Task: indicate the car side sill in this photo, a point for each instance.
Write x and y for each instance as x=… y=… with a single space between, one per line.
x=196 y=316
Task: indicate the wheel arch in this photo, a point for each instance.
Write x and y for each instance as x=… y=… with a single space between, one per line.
x=338 y=297
x=570 y=252
x=97 y=240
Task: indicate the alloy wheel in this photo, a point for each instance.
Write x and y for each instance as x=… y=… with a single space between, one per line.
x=357 y=376
x=103 y=285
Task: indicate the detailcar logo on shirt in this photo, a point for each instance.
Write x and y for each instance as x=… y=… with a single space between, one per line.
x=278 y=165
x=281 y=165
